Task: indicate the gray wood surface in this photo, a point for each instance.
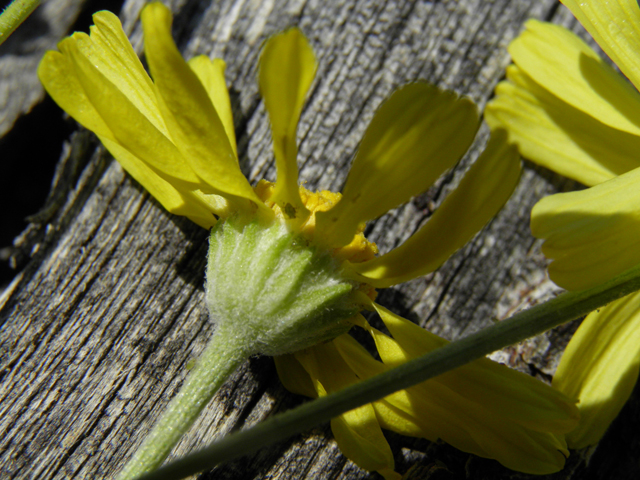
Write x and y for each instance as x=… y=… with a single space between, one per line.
x=106 y=310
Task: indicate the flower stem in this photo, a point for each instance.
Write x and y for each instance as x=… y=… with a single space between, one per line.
x=12 y=16
x=223 y=354
x=528 y=323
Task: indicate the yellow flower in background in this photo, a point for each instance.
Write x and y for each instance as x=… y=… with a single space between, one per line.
x=568 y=110
x=288 y=268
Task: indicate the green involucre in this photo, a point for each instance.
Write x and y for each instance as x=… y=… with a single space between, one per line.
x=269 y=287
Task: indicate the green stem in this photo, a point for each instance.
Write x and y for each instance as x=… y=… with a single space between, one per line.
x=12 y=16
x=222 y=356
x=528 y=323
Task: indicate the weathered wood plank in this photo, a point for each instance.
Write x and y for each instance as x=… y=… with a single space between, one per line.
x=99 y=328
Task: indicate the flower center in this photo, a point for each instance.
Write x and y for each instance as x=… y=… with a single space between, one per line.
x=359 y=250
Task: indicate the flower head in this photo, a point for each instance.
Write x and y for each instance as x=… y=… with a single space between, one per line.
x=568 y=110
x=175 y=136
x=289 y=268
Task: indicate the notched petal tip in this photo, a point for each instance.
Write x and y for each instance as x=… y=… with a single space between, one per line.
x=592 y=235
x=414 y=137
x=480 y=195
x=59 y=77
x=196 y=128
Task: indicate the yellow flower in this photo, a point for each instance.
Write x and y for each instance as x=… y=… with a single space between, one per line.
x=289 y=268
x=569 y=111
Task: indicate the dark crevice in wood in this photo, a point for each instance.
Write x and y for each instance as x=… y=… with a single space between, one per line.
x=447 y=285
x=551 y=13
x=85 y=20
x=22 y=186
x=33 y=161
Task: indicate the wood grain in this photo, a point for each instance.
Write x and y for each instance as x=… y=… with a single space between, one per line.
x=100 y=324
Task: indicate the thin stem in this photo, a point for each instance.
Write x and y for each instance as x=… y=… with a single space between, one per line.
x=528 y=323
x=12 y=16
x=221 y=357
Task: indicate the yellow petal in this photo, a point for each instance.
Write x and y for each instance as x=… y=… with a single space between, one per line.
x=112 y=55
x=323 y=363
x=563 y=64
x=360 y=439
x=486 y=409
x=129 y=127
x=616 y=28
x=558 y=136
x=293 y=376
x=357 y=432
x=416 y=135
x=592 y=235
x=600 y=367
x=211 y=75
x=195 y=126
x=480 y=427
x=59 y=77
x=396 y=412
x=287 y=69
x=516 y=396
x=481 y=193
x=198 y=207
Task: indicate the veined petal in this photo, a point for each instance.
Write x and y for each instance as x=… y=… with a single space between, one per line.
x=481 y=193
x=112 y=55
x=616 y=28
x=357 y=432
x=470 y=429
x=600 y=367
x=592 y=235
x=128 y=126
x=457 y=406
x=65 y=80
x=397 y=412
x=560 y=62
x=189 y=114
x=58 y=75
x=556 y=135
x=198 y=207
x=502 y=430
x=287 y=68
x=211 y=75
x=517 y=397
x=416 y=135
